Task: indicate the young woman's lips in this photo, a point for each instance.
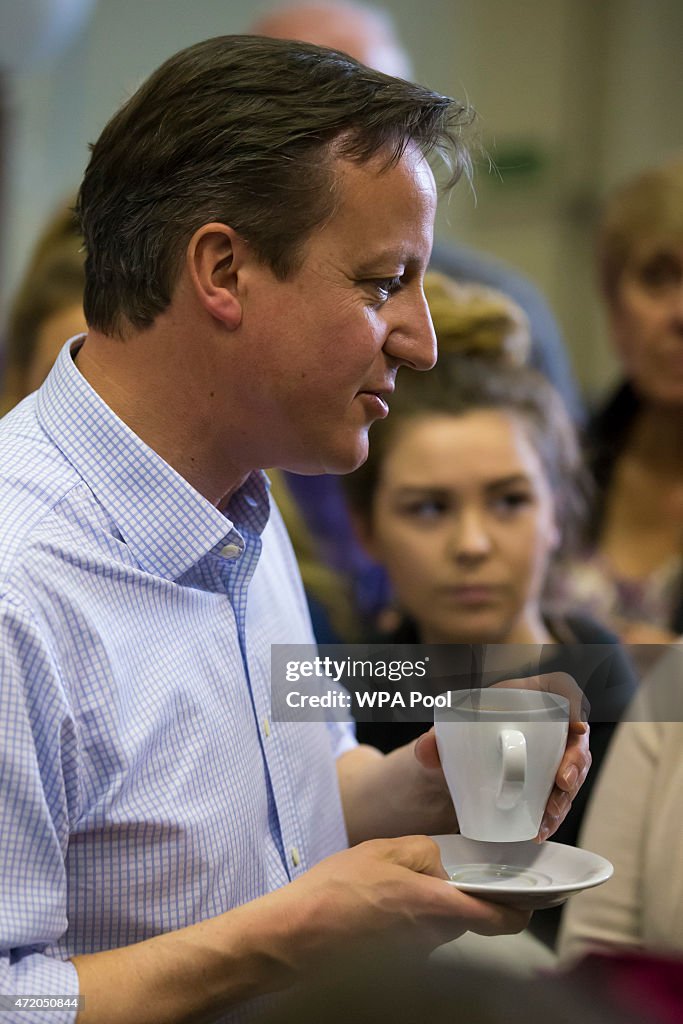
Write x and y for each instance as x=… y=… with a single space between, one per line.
x=472 y=594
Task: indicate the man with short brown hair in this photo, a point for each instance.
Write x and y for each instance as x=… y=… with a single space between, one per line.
x=258 y=219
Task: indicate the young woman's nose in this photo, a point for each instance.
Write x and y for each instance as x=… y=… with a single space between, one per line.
x=470 y=538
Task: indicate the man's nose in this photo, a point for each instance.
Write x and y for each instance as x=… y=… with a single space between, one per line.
x=413 y=341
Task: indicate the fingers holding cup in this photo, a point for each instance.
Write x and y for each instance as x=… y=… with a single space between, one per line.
x=570 y=776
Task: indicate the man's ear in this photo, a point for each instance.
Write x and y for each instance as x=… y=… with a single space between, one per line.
x=213 y=262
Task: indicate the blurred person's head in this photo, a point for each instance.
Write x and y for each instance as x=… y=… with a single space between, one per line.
x=378 y=984
x=471 y=489
x=472 y=319
x=366 y=33
x=47 y=308
x=640 y=252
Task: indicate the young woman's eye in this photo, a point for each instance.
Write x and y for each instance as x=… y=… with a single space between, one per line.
x=425 y=511
x=514 y=501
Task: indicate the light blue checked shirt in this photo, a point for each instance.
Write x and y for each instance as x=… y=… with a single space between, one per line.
x=142 y=786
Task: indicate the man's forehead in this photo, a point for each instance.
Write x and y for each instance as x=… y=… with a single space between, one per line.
x=391 y=205
x=385 y=183
x=385 y=162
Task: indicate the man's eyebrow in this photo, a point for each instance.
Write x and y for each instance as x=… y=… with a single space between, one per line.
x=375 y=263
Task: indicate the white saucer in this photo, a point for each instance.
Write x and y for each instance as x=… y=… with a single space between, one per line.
x=528 y=875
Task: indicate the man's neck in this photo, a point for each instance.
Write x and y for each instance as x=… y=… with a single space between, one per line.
x=153 y=384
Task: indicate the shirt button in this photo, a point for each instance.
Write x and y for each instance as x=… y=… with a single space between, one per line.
x=231 y=551
x=266 y=727
x=296 y=859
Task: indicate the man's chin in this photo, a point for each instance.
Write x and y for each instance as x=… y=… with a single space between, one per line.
x=336 y=463
x=347 y=462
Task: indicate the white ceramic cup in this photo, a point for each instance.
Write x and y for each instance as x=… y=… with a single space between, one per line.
x=500 y=750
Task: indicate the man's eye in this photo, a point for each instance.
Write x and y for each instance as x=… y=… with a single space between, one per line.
x=385 y=287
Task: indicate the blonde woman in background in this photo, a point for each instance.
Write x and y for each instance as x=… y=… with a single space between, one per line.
x=47 y=308
x=632 y=574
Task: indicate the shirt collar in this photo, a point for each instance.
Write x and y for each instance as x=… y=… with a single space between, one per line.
x=167 y=525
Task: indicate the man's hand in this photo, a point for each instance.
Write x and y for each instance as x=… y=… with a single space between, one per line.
x=388 y=890
x=380 y=893
x=577 y=756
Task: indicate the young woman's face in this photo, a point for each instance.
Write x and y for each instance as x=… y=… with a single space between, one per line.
x=646 y=318
x=463 y=520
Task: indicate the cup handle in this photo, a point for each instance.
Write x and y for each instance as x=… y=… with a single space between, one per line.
x=512 y=745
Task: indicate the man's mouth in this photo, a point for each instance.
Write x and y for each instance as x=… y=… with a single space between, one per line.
x=377 y=400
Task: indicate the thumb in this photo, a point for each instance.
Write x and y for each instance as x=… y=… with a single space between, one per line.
x=426 y=751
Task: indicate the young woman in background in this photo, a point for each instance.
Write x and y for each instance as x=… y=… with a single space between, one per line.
x=470 y=499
